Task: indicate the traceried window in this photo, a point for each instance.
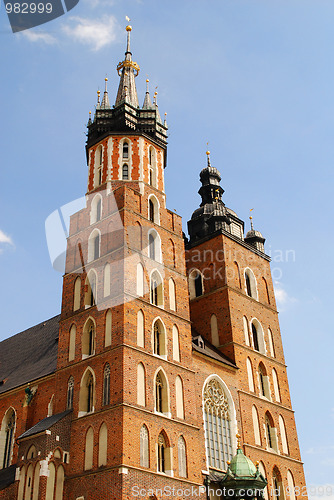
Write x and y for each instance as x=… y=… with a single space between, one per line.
x=217 y=422
x=87 y=393
x=144 y=448
x=70 y=393
x=156 y=289
x=159 y=340
x=159 y=393
x=7 y=434
x=106 y=385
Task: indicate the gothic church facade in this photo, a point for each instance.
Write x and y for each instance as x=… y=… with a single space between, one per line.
x=166 y=347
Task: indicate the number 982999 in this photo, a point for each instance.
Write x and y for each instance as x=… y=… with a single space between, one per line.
x=28 y=8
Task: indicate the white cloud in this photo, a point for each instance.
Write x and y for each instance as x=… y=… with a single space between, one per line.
x=4 y=238
x=39 y=36
x=283 y=299
x=97 y=33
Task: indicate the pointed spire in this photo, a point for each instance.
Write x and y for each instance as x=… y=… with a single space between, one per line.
x=105 y=104
x=208 y=157
x=147 y=101
x=127 y=71
x=89 y=119
x=98 y=100
x=165 y=120
x=155 y=104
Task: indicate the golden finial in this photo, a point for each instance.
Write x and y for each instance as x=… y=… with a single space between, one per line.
x=128 y=28
x=165 y=114
x=257 y=464
x=251 y=218
x=228 y=462
x=238 y=438
x=147 y=80
x=90 y=113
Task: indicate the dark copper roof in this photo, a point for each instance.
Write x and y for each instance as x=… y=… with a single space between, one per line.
x=203 y=346
x=29 y=355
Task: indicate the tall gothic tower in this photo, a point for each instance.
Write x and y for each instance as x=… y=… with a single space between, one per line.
x=168 y=349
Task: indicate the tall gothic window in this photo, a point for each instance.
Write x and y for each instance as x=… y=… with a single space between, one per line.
x=255 y=338
x=144 y=448
x=106 y=385
x=70 y=392
x=151 y=246
x=90 y=393
x=9 y=427
x=151 y=210
x=217 y=421
x=182 y=457
x=161 y=454
x=158 y=393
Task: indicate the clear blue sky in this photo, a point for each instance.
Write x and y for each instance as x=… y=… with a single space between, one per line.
x=255 y=79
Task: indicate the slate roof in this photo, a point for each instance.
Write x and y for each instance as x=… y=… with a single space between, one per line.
x=201 y=345
x=7 y=476
x=29 y=355
x=44 y=424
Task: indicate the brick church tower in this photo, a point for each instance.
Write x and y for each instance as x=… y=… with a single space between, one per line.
x=169 y=376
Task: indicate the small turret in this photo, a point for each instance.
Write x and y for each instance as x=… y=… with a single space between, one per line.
x=255 y=238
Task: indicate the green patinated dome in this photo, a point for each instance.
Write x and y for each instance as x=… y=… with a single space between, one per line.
x=242 y=466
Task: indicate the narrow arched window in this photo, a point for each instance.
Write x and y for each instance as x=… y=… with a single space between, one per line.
x=151 y=246
x=141 y=389
x=77 y=293
x=144 y=447
x=96 y=254
x=161 y=453
x=198 y=285
x=125 y=172
x=108 y=329
x=90 y=393
x=60 y=483
x=50 y=483
x=103 y=445
x=271 y=343
x=214 y=330
x=182 y=457
x=284 y=440
x=106 y=385
x=248 y=286
x=250 y=281
x=172 y=295
x=140 y=329
x=36 y=482
x=70 y=393
x=195 y=284
x=276 y=386
x=156 y=289
x=90 y=289
x=255 y=338
x=98 y=209
x=291 y=485
x=125 y=150
x=264 y=382
x=158 y=393
x=88 y=338
x=270 y=432
x=278 y=491
x=263 y=472
x=176 y=343
x=87 y=393
x=217 y=423
x=106 y=280
x=7 y=434
x=179 y=397
x=159 y=339
x=21 y=483
x=250 y=375
x=246 y=331
x=89 y=449
x=71 y=348
x=256 y=426
x=140 y=280
x=151 y=210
